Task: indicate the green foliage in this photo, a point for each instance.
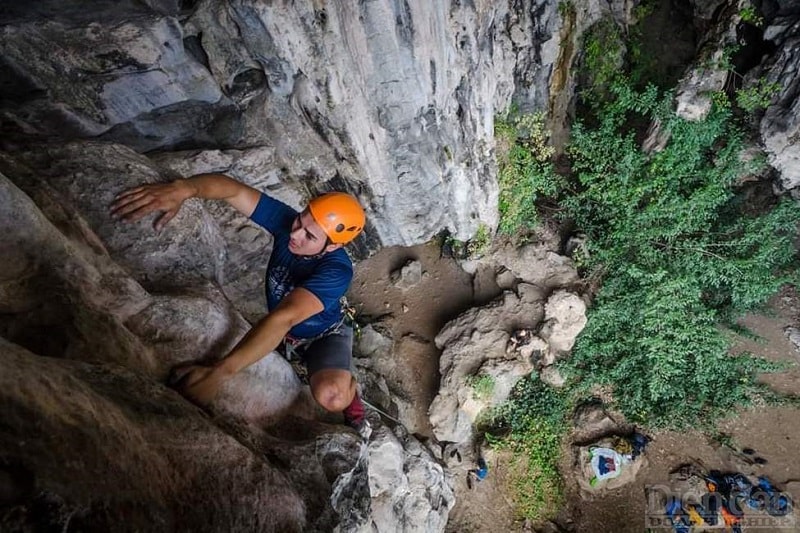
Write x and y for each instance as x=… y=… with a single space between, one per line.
x=720 y=100
x=644 y=67
x=482 y=386
x=480 y=243
x=535 y=418
x=679 y=251
x=526 y=171
x=643 y=10
x=603 y=56
x=751 y=16
x=475 y=247
x=724 y=59
x=758 y=96
x=448 y=153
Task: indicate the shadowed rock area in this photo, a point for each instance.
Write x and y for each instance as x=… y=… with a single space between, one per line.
x=99 y=448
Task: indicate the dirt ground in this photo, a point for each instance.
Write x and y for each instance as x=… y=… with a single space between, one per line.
x=414 y=317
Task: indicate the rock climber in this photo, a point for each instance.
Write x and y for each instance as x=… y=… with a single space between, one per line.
x=307 y=275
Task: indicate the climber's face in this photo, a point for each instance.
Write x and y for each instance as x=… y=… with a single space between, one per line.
x=307 y=237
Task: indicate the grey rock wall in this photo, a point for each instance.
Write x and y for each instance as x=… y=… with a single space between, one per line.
x=393 y=100
x=780 y=125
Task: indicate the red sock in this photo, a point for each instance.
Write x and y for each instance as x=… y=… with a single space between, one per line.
x=354 y=413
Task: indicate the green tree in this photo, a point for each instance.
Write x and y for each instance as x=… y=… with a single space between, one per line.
x=679 y=252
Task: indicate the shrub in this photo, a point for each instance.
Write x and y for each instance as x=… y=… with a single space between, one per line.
x=526 y=171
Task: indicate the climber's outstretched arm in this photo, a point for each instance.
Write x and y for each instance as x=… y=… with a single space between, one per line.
x=201 y=383
x=135 y=203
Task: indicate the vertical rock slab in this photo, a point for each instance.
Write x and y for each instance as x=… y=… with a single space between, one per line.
x=84 y=177
x=780 y=125
x=71 y=292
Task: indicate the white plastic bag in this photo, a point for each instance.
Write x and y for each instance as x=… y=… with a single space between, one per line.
x=612 y=464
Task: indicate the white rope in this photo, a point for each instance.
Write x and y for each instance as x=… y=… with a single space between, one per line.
x=384 y=413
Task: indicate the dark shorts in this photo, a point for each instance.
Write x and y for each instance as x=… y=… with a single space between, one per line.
x=333 y=350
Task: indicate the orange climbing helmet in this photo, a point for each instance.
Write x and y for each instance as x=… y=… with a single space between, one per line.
x=339 y=214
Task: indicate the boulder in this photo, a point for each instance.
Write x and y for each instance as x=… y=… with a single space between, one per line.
x=410 y=490
x=472 y=341
x=564 y=319
x=408 y=275
x=538 y=262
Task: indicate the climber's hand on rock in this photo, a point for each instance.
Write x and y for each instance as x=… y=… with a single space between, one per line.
x=200 y=384
x=167 y=198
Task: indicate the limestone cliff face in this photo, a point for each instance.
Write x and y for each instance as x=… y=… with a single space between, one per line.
x=780 y=125
x=92 y=437
x=391 y=99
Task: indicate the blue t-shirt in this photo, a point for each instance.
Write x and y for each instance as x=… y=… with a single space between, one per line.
x=327 y=276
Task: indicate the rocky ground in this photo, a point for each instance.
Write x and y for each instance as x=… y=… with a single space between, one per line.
x=413 y=316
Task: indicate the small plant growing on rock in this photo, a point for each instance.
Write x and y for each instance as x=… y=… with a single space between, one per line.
x=480 y=243
x=751 y=16
x=482 y=386
x=643 y=10
x=758 y=96
x=475 y=247
x=720 y=100
x=566 y=8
